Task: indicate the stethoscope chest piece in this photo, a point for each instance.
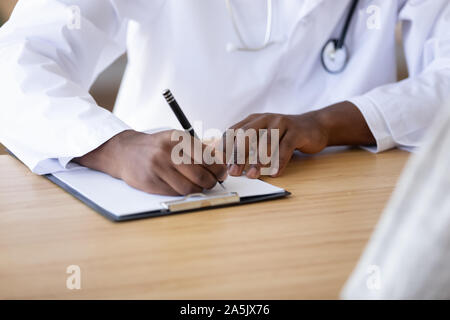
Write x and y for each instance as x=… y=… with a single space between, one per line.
x=334 y=59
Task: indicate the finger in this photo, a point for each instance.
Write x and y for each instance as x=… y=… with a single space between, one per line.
x=194 y=152
x=163 y=188
x=268 y=142
x=198 y=175
x=207 y=156
x=252 y=159
x=253 y=121
x=263 y=127
x=286 y=149
x=219 y=171
x=153 y=185
x=254 y=171
x=245 y=149
x=249 y=118
x=213 y=162
x=264 y=154
x=177 y=181
x=239 y=158
x=236 y=170
x=226 y=145
x=230 y=152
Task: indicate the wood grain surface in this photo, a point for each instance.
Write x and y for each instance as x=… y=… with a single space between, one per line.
x=304 y=246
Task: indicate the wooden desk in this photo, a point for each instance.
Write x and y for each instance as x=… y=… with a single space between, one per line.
x=301 y=247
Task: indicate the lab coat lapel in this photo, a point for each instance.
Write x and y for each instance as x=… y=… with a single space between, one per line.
x=308 y=7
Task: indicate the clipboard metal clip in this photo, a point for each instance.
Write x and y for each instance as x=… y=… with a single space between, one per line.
x=200 y=200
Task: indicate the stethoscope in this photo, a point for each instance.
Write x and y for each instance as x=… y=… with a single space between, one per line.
x=334 y=54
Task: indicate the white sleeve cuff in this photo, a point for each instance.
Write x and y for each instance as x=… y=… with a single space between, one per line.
x=65 y=162
x=376 y=123
x=98 y=137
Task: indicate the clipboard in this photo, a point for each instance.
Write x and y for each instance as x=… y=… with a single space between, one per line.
x=199 y=200
x=186 y=204
x=189 y=203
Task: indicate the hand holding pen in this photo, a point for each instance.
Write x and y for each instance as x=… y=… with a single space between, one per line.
x=183 y=119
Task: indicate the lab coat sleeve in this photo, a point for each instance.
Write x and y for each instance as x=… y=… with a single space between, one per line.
x=399 y=114
x=408 y=255
x=50 y=53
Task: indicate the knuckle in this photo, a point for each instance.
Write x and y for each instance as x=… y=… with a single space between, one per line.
x=221 y=171
x=187 y=188
x=156 y=162
x=278 y=122
x=210 y=183
x=204 y=178
x=208 y=180
x=195 y=189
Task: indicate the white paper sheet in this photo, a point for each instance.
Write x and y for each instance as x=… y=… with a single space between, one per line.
x=117 y=197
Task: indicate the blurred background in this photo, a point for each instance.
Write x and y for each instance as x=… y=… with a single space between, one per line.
x=107 y=85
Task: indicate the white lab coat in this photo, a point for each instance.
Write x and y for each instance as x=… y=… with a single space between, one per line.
x=47 y=116
x=408 y=256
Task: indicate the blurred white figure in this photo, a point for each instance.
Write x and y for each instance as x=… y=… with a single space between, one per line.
x=408 y=256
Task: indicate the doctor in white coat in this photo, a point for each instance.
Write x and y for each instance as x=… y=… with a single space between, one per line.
x=321 y=71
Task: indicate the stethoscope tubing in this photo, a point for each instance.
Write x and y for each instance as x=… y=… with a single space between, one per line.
x=339 y=44
x=349 y=19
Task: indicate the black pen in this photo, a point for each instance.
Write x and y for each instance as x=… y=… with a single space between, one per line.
x=182 y=118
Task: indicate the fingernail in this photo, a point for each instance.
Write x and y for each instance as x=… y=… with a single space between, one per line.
x=234 y=170
x=252 y=173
